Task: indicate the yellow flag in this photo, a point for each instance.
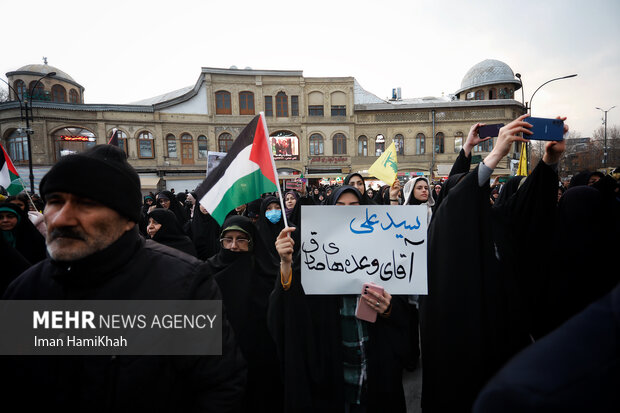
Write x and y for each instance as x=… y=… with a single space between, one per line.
x=386 y=167
x=522 y=169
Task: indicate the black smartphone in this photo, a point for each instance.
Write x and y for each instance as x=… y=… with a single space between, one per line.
x=489 y=130
x=545 y=129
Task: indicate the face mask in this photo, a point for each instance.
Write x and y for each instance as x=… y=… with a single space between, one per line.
x=273 y=215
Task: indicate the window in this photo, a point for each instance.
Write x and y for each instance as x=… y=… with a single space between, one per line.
x=246 y=103
x=316 y=144
x=479 y=95
x=37 y=92
x=20 y=88
x=439 y=142
x=379 y=145
x=399 y=142
x=122 y=140
x=338 y=103
x=224 y=142
x=171 y=144
x=222 y=103
x=17 y=146
x=315 y=110
x=486 y=146
x=281 y=105
x=294 y=105
x=268 y=106
x=340 y=144
x=339 y=110
x=74 y=97
x=362 y=146
x=420 y=144
x=59 y=94
x=145 y=145
x=187 y=149
x=202 y=147
x=492 y=94
x=458 y=142
x=72 y=140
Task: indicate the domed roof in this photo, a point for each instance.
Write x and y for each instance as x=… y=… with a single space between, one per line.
x=44 y=69
x=488 y=72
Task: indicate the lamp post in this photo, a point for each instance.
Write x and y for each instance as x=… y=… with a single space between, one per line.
x=605 y=142
x=25 y=115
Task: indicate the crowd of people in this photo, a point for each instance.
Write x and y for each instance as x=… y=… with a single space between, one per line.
x=520 y=275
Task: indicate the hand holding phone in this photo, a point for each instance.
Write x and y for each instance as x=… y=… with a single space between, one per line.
x=486 y=131
x=365 y=311
x=546 y=129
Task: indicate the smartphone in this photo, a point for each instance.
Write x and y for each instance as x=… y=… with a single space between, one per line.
x=364 y=311
x=545 y=129
x=489 y=130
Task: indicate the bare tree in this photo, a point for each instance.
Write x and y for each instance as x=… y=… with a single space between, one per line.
x=613 y=144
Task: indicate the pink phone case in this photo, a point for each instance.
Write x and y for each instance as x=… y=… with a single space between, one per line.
x=364 y=311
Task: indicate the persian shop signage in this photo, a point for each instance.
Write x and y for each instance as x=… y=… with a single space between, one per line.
x=328 y=160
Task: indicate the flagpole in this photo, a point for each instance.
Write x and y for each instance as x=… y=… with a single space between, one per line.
x=275 y=171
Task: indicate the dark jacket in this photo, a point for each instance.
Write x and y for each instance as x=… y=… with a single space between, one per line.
x=133 y=269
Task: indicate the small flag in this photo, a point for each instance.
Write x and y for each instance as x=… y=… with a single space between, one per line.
x=114 y=138
x=522 y=169
x=386 y=167
x=9 y=178
x=245 y=173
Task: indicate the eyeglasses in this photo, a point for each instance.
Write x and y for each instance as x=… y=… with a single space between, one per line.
x=228 y=242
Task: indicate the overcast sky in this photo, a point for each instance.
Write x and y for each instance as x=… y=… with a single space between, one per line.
x=124 y=51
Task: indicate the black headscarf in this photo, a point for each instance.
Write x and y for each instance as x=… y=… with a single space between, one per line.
x=175 y=207
x=450 y=183
x=508 y=190
x=337 y=193
x=246 y=280
x=171 y=233
x=205 y=234
x=366 y=200
x=28 y=240
x=580 y=179
x=267 y=230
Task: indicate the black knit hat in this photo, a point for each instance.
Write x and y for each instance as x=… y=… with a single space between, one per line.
x=101 y=173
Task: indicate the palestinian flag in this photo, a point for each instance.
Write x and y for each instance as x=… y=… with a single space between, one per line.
x=9 y=178
x=245 y=173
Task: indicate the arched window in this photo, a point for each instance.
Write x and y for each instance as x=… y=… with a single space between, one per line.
x=281 y=105
x=379 y=145
x=20 y=88
x=187 y=148
x=316 y=144
x=74 y=97
x=246 y=103
x=458 y=142
x=224 y=142
x=339 y=104
x=315 y=104
x=492 y=94
x=340 y=144
x=222 y=103
x=171 y=145
x=146 y=148
x=420 y=144
x=202 y=147
x=479 y=95
x=59 y=94
x=17 y=146
x=362 y=146
x=439 y=142
x=73 y=139
x=399 y=142
x=38 y=92
x=122 y=140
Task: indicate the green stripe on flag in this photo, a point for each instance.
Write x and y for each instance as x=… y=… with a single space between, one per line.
x=244 y=190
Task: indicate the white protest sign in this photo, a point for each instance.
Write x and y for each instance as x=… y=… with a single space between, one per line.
x=342 y=247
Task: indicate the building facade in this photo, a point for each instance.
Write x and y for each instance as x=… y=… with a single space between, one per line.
x=319 y=127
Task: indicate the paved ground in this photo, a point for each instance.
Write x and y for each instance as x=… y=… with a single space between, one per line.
x=412 y=383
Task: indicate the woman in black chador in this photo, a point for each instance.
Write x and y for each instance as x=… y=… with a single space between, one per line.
x=245 y=275
x=164 y=228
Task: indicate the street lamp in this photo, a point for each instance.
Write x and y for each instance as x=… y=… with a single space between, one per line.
x=23 y=107
x=548 y=81
x=605 y=144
